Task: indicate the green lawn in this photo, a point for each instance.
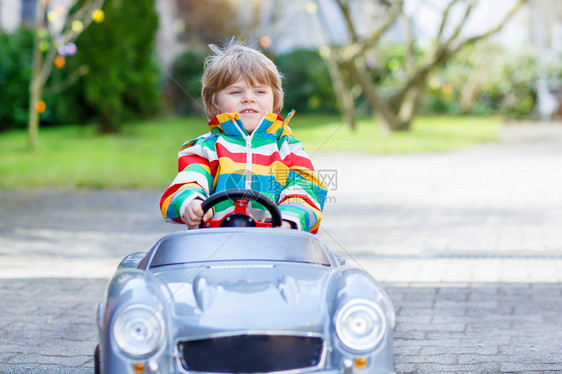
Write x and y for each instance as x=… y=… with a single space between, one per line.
x=144 y=155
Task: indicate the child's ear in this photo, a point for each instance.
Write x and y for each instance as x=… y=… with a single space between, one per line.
x=214 y=110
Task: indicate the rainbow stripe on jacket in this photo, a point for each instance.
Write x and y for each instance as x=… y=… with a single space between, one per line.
x=269 y=160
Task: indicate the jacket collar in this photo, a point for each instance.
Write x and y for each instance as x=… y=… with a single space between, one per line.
x=231 y=125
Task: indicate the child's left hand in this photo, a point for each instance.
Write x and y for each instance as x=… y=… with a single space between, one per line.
x=286 y=225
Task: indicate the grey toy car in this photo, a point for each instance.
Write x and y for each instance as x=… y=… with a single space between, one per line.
x=243 y=300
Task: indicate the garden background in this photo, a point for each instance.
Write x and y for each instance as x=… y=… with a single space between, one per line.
x=363 y=76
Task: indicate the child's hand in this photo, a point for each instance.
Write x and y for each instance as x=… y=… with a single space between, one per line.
x=286 y=225
x=193 y=214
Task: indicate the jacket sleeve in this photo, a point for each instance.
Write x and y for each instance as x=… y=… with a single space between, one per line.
x=302 y=199
x=193 y=180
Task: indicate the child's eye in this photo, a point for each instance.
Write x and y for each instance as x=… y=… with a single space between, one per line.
x=235 y=92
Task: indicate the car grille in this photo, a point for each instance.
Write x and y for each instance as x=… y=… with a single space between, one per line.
x=251 y=353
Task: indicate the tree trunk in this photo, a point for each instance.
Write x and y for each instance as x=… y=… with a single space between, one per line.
x=377 y=102
x=35 y=86
x=342 y=90
x=106 y=125
x=468 y=95
x=409 y=108
x=33 y=125
x=347 y=103
x=393 y=116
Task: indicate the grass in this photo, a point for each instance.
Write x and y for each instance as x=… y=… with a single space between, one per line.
x=428 y=134
x=144 y=155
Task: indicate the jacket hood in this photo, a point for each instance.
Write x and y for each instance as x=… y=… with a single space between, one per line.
x=272 y=123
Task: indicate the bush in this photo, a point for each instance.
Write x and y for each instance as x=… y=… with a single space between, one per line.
x=123 y=80
x=484 y=80
x=183 y=88
x=514 y=91
x=15 y=75
x=307 y=84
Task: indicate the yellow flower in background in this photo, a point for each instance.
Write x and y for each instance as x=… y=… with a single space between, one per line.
x=52 y=16
x=447 y=89
x=98 y=15
x=44 y=45
x=77 y=26
x=311 y=8
x=42 y=33
x=435 y=83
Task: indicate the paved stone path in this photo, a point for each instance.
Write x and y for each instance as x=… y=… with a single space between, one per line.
x=468 y=244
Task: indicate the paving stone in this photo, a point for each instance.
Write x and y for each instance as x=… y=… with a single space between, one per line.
x=441 y=359
x=482 y=358
x=519 y=366
x=484 y=367
x=403 y=367
x=461 y=351
x=72 y=361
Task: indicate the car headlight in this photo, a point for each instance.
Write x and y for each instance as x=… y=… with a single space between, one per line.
x=138 y=330
x=360 y=325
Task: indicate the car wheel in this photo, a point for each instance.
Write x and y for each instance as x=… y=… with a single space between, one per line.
x=97 y=360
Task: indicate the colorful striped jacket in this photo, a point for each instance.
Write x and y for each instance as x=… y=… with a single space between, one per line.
x=270 y=160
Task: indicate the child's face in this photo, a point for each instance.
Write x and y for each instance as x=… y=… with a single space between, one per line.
x=250 y=102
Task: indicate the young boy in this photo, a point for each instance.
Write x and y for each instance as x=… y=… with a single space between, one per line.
x=249 y=146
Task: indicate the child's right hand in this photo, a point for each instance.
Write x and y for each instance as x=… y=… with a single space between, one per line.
x=193 y=214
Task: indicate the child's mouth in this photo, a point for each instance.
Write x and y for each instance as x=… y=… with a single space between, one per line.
x=249 y=111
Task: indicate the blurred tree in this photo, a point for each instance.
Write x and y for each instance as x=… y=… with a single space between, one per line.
x=306 y=82
x=15 y=73
x=513 y=88
x=473 y=70
x=123 y=79
x=483 y=79
x=396 y=109
x=201 y=23
x=213 y=21
x=49 y=41
x=183 y=89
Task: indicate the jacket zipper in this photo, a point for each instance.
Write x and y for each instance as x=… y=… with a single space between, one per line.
x=249 y=161
x=249 y=153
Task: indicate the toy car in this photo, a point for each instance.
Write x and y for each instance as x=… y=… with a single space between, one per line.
x=243 y=299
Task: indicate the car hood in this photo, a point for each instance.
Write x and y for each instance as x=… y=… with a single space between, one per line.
x=241 y=296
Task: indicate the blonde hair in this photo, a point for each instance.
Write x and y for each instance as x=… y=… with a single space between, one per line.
x=233 y=62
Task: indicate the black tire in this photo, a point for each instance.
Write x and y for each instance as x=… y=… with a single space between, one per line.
x=97 y=360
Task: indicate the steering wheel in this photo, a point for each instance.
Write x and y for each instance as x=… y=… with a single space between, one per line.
x=240 y=217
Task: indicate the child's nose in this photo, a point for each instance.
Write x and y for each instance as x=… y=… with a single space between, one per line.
x=249 y=96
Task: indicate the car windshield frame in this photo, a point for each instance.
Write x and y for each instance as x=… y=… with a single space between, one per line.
x=260 y=245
